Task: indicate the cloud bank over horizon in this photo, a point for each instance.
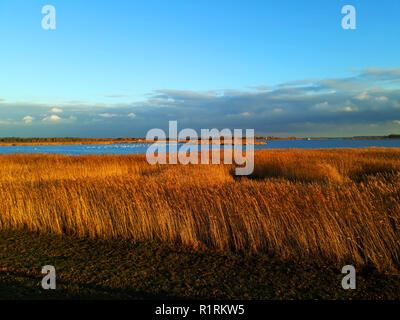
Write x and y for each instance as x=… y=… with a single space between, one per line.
x=365 y=103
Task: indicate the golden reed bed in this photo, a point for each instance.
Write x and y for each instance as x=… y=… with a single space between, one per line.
x=324 y=206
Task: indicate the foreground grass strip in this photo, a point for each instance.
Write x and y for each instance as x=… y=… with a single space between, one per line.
x=116 y=269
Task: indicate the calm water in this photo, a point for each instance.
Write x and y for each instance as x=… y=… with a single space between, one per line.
x=124 y=148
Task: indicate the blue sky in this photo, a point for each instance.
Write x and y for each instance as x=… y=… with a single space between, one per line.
x=120 y=68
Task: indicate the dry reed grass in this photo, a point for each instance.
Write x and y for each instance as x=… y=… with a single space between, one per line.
x=325 y=206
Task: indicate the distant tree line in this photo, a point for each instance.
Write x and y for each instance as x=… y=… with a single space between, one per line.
x=64 y=139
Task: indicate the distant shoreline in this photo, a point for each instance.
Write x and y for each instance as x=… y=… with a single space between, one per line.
x=10 y=144
x=82 y=141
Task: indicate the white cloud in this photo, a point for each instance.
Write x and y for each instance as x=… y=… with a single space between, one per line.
x=322 y=105
x=381 y=99
x=56 y=110
x=28 y=119
x=363 y=96
x=52 y=118
x=132 y=115
x=245 y=114
x=349 y=109
x=107 y=115
x=115 y=95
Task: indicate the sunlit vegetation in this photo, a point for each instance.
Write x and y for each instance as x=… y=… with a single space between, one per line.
x=324 y=206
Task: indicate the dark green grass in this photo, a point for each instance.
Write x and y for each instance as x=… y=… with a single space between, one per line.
x=105 y=269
